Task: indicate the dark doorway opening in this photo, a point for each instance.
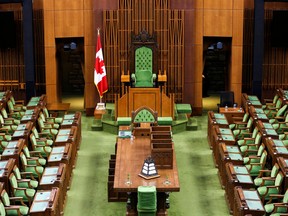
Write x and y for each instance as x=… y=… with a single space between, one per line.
x=70 y=65
x=216 y=58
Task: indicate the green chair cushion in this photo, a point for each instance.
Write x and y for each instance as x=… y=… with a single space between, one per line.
x=165 y=120
x=184 y=108
x=123 y=120
x=24 y=210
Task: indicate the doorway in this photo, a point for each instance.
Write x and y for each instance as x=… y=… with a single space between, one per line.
x=70 y=64
x=216 y=65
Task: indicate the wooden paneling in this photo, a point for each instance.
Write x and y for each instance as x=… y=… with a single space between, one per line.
x=235 y=73
x=218 y=5
x=237 y=35
x=144 y=97
x=89 y=63
x=90 y=95
x=51 y=92
x=238 y=4
x=68 y=5
x=199 y=29
x=88 y=28
x=51 y=68
x=88 y=4
x=218 y=23
x=69 y=23
x=237 y=89
x=49 y=27
x=48 y=5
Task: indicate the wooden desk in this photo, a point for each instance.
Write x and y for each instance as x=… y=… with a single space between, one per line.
x=250 y=100
x=55 y=176
x=37 y=101
x=266 y=129
x=215 y=119
x=13 y=150
x=46 y=203
x=247 y=202
x=65 y=136
x=231 y=112
x=54 y=108
x=221 y=135
x=6 y=168
x=257 y=114
x=70 y=120
x=129 y=160
x=62 y=154
x=236 y=176
x=283 y=164
x=275 y=149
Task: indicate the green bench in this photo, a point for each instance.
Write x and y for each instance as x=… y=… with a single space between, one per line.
x=124 y=121
x=184 y=108
x=165 y=120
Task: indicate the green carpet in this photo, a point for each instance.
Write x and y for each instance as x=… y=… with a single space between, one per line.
x=200 y=192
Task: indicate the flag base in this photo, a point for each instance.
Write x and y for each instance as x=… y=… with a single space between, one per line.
x=100 y=106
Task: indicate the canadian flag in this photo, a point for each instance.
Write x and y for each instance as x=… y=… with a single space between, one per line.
x=100 y=78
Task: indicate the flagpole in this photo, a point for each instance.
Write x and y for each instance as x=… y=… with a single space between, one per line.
x=98 y=33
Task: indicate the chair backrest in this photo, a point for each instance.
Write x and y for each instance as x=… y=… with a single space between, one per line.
x=285 y=198
x=143 y=59
x=144 y=114
x=147 y=198
x=16 y=172
x=226 y=98
x=281 y=111
x=13 y=182
x=2 y=209
x=263 y=158
x=279 y=179
x=5 y=198
x=260 y=150
x=275 y=170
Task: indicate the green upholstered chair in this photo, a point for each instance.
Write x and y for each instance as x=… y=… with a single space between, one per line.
x=34 y=157
x=281 y=126
x=254 y=168
x=42 y=137
x=41 y=146
x=14 y=111
x=144 y=115
x=253 y=156
x=143 y=76
x=37 y=170
x=270 y=102
x=279 y=205
x=11 y=209
x=47 y=128
x=266 y=191
x=57 y=120
x=147 y=200
x=280 y=114
x=242 y=128
x=25 y=179
x=48 y=120
x=9 y=116
x=262 y=179
x=239 y=122
x=251 y=146
x=272 y=108
x=26 y=193
x=248 y=138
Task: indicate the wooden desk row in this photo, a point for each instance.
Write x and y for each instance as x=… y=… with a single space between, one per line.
x=232 y=172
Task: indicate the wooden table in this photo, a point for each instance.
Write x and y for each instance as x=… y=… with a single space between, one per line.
x=129 y=160
x=236 y=176
x=215 y=119
x=232 y=112
x=275 y=149
x=247 y=202
x=54 y=108
x=46 y=203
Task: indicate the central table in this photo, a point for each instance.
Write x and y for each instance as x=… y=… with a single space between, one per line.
x=130 y=157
